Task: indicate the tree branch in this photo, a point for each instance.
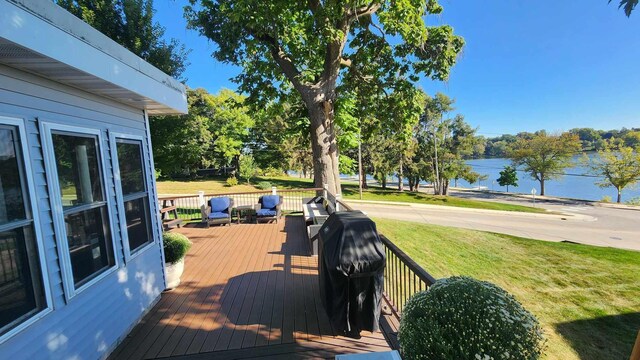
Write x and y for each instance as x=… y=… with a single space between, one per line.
x=281 y=58
x=364 y=10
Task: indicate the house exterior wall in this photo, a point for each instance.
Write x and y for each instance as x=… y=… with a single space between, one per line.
x=90 y=324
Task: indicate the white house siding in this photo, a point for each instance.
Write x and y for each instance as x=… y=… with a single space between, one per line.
x=90 y=324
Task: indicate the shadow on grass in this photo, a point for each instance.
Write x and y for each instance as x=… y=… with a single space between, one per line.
x=606 y=337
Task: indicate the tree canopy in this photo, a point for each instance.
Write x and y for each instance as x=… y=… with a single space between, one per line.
x=508 y=177
x=545 y=156
x=130 y=23
x=618 y=168
x=313 y=46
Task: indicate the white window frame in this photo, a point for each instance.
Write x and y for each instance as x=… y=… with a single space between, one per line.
x=46 y=129
x=19 y=123
x=115 y=164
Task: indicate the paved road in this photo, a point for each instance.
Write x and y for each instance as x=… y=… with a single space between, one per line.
x=580 y=222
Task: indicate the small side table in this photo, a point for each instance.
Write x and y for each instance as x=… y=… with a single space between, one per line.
x=246 y=209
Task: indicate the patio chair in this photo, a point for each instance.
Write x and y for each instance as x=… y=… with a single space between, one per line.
x=268 y=208
x=218 y=211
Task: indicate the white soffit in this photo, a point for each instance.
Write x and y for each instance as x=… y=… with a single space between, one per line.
x=40 y=37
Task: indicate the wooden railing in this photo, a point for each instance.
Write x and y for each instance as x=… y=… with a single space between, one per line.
x=403 y=277
x=188 y=206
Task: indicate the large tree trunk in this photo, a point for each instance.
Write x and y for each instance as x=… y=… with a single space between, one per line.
x=619 y=196
x=384 y=182
x=541 y=186
x=324 y=146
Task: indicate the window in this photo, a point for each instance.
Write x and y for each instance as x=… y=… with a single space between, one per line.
x=83 y=229
x=22 y=285
x=135 y=197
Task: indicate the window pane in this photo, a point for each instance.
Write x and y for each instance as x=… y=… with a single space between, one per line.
x=21 y=290
x=89 y=244
x=130 y=161
x=11 y=200
x=78 y=169
x=137 y=222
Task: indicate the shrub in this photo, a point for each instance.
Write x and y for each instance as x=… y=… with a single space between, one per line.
x=605 y=199
x=264 y=185
x=633 y=201
x=175 y=246
x=272 y=172
x=464 y=318
x=232 y=181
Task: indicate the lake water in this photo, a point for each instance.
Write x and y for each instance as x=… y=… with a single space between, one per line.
x=572 y=185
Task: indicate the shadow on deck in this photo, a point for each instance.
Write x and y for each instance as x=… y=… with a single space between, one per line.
x=248 y=291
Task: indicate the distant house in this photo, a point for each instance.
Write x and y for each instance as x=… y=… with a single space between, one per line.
x=80 y=241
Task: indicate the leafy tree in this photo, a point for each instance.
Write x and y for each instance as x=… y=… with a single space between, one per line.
x=311 y=46
x=632 y=139
x=248 y=167
x=181 y=142
x=130 y=23
x=508 y=176
x=627 y=5
x=211 y=134
x=544 y=156
x=619 y=169
x=445 y=142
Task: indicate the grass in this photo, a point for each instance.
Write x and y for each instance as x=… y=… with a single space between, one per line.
x=350 y=191
x=587 y=298
x=219 y=185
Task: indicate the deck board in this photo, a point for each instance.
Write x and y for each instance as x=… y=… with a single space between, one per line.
x=248 y=291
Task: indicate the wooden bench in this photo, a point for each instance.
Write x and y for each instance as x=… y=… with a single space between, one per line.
x=315 y=211
x=169 y=207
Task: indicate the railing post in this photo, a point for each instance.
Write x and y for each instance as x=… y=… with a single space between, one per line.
x=201 y=198
x=274 y=190
x=338 y=198
x=325 y=191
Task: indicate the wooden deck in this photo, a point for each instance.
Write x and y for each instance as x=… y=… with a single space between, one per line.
x=248 y=291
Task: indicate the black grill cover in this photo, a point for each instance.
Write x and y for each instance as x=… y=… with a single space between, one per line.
x=350 y=264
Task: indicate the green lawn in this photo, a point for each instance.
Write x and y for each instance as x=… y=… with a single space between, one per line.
x=350 y=191
x=586 y=297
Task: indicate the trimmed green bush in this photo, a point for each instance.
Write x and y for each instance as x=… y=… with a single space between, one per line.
x=633 y=201
x=264 y=185
x=464 y=318
x=232 y=181
x=175 y=246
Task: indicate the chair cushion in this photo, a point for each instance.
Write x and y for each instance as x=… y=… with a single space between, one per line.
x=270 y=201
x=219 y=204
x=218 y=215
x=266 y=212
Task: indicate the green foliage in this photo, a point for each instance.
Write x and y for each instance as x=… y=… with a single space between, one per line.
x=130 y=23
x=445 y=142
x=633 y=201
x=232 y=181
x=618 y=169
x=606 y=199
x=211 y=134
x=264 y=185
x=627 y=5
x=248 y=167
x=176 y=246
x=464 y=318
x=544 y=156
x=508 y=177
x=270 y=171
x=325 y=52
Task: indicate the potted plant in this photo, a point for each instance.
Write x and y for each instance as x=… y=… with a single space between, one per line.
x=175 y=248
x=464 y=318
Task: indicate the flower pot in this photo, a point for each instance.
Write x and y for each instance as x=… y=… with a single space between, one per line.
x=173 y=273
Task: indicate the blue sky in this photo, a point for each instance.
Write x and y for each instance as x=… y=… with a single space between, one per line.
x=526 y=66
